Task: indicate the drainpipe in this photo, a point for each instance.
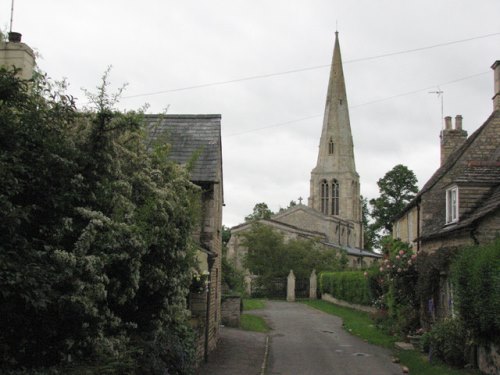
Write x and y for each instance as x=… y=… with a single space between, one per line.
x=211 y=261
x=418 y=226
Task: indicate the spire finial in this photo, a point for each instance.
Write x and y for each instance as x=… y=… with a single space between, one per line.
x=336 y=27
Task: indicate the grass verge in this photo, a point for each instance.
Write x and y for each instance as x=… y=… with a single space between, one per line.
x=357 y=322
x=360 y=324
x=253 y=304
x=249 y=322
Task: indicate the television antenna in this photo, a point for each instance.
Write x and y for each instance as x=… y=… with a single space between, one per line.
x=11 y=14
x=440 y=95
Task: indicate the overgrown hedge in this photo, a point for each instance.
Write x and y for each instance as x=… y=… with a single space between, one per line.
x=349 y=286
x=476 y=279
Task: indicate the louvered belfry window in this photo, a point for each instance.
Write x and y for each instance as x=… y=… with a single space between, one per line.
x=335 y=197
x=324 y=197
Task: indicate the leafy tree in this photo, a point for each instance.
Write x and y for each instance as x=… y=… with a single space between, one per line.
x=260 y=211
x=270 y=256
x=290 y=205
x=226 y=235
x=95 y=251
x=368 y=233
x=397 y=188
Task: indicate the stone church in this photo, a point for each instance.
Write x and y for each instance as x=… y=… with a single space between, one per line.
x=333 y=213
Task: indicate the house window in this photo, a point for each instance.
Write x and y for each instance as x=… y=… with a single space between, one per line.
x=330 y=147
x=324 y=197
x=335 y=197
x=452 y=205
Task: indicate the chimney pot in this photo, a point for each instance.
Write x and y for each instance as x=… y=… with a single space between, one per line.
x=14 y=37
x=447 y=122
x=496 y=96
x=458 y=122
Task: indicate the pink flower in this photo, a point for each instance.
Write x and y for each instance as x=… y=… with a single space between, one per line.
x=401 y=252
x=389 y=266
x=414 y=256
x=397 y=256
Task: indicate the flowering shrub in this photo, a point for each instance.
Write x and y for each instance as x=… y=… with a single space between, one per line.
x=199 y=282
x=396 y=279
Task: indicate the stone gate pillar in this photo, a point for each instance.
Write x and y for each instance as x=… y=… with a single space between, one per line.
x=290 y=287
x=313 y=285
x=248 y=283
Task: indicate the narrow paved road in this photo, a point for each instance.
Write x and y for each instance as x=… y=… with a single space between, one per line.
x=305 y=341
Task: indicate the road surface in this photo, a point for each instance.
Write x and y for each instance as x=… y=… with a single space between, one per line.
x=305 y=341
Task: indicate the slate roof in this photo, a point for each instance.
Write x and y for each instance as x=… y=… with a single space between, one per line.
x=191 y=135
x=481 y=172
x=354 y=251
x=293 y=228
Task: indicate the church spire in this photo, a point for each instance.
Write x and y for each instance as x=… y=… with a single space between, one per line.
x=336 y=124
x=334 y=180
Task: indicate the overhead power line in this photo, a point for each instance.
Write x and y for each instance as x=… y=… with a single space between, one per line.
x=360 y=105
x=275 y=74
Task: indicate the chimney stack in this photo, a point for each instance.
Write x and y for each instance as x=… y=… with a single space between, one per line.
x=451 y=138
x=14 y=53
x=496 y=97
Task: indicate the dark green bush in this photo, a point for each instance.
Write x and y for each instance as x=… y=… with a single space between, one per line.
x=447 y=341
x=476 y=278
x=349 y=286
x=95 y=237
x=232 y=277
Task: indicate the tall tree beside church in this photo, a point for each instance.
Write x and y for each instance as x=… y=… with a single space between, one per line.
x=260 y=211
x=368 y=233
x=397 y=188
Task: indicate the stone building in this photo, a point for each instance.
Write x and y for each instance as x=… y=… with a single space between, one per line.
x=460 y=204
x=333 y=213
x=196 y=140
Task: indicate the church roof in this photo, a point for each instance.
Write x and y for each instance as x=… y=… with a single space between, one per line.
x=353 y=251
x=189 y=136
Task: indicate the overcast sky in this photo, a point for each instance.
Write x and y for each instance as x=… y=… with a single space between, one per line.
x=271 y=126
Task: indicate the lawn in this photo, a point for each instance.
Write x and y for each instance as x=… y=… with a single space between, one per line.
x=360 y=324
x=253 y=304
x=249 y=322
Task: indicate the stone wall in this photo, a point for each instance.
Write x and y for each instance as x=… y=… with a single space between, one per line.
x=231 y=311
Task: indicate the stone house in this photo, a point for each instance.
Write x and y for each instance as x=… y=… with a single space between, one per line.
x=196 y=140
x=460 y=204
x=333 y=213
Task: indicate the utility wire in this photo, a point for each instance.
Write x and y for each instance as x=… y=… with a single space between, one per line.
x=261 y=76
x=359 y=105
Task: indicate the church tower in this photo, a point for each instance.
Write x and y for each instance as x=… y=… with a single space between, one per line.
x=334 y=187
